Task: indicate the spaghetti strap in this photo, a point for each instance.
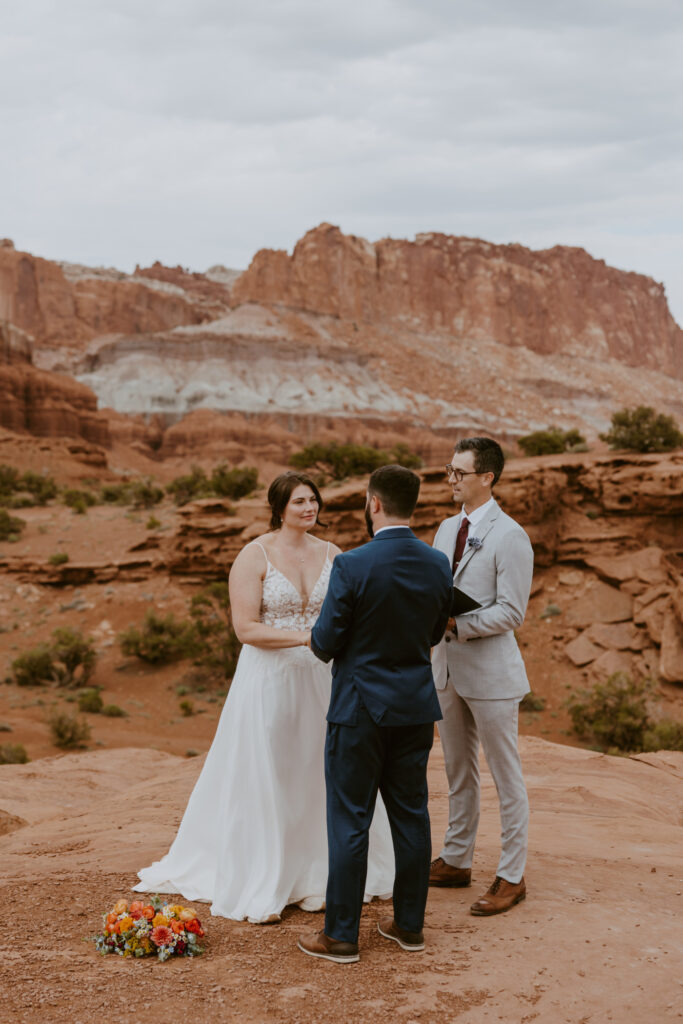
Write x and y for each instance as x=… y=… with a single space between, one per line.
x=327 y=553
x=258 y=542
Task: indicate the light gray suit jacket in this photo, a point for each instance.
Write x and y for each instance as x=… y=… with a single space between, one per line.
x=485 y=662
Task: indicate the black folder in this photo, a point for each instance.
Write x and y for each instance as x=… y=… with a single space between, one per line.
x=462 y=602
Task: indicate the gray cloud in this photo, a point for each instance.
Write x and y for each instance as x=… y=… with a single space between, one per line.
x=197 y=132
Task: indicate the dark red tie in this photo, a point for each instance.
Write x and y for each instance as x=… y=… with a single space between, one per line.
x=460 y=542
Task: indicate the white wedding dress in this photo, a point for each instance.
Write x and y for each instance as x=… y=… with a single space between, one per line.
x=253 y=838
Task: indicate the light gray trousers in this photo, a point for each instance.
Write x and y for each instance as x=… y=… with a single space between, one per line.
x=466 y=723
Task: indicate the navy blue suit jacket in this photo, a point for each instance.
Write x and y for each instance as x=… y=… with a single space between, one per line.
x=387 y=604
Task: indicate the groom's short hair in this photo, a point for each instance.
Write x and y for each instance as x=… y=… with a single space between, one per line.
x=397 y=488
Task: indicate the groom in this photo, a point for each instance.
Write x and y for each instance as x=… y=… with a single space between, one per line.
x=387 y=604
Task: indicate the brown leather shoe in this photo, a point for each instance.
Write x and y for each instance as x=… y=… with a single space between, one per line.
x=443 y=876
x=321 y=945
x=500 y=897
x=411 y=941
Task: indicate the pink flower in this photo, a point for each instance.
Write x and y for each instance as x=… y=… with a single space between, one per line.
x=161 y=935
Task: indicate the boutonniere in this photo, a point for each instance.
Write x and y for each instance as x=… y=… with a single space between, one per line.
x=474 y=542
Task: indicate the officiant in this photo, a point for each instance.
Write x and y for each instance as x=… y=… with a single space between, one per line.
x=480 y=675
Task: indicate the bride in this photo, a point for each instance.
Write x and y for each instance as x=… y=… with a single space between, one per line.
x=253 y=838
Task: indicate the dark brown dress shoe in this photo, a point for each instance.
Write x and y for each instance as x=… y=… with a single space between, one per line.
x=412 y=941
x=443 y=876
x=501 y=896
x=321 y=945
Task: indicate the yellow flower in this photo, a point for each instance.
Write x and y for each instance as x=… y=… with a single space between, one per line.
x=186 y=914
x=125 y=923
x=159 y=919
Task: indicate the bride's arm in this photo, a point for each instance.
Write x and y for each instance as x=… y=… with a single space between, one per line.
x=246 y=587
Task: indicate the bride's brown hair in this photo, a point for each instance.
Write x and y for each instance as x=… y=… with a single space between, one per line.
x=280 y=491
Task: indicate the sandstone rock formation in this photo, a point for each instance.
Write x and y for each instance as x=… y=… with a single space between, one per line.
x=42 y=403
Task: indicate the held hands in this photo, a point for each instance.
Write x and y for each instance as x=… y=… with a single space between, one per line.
x=306 y=638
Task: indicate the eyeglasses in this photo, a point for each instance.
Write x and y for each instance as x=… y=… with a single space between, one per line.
x=458 y=474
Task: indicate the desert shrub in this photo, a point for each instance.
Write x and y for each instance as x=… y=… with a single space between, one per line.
x=161 y=639
x=113 y=711
x=343 y=460
x=69 y=732
x=90 y=700
x=9 y=481
x=217 y=645
x=115 y=494
x=10 y=526
x=187 y=708
x=643 y=430
x=74 y=657
x=531 y=702
x=613 y=714
x=550 y=611
x=152 y=523
x=78 y=501
x=59 y=558
x=233 y=483
x=13 y=753
x=41 y=488
x=145 y=493
x=193 y=485
x=34 y=667
x=552 y=441
x=666 y=734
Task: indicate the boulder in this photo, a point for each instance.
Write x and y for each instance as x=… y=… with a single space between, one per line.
x=581 y=651
x=671 y=653
x=599 y=603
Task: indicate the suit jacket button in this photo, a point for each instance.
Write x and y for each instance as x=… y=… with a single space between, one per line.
x=448 y=639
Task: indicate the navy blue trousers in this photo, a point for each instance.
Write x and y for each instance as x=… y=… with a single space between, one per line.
x=361 y=760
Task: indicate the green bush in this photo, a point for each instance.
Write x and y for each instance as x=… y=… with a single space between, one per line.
x=187 y=708
x=160 y=640
x=74 y=657
x=113 y=711
x=69 y=732
x=233 y=483
x=643 y=430
x=145 y=493
x=552 y=441
x=115 y=494
x=666 y=734
x=613 y=714
x=152 y=523
x=531 y=702
x=9 y=481
x=90 y=700
x=59 y=558
x=42 y=488
x=78 y=501
x=217 y=645
x=343 y=460
x=34 y=667
x=10 y=526
x=69 y=661
x=13 y=753
x=186 y=488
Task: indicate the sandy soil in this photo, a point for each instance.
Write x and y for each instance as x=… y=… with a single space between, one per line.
x=599 y=937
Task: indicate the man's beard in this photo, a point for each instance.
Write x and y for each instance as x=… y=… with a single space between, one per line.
x=368 y=521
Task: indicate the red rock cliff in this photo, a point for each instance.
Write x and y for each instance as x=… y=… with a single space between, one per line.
x=555 y=300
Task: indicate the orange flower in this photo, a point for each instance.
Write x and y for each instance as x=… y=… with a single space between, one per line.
x=125 y=923
x=136 y=906
x=148 y=912
x=121 y=907
x=162 y=936
x=111 y=928
x=195 y=926
x=177 y=927
x=111 y=917
x=159 y=919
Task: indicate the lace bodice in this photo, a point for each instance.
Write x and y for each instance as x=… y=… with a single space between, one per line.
x=281 y=603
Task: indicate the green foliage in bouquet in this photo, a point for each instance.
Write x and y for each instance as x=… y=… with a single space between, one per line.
x=643 y=430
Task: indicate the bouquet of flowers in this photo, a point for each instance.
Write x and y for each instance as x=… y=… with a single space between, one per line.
x=155 y=928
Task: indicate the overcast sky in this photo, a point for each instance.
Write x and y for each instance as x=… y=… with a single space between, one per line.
x=198 y=131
